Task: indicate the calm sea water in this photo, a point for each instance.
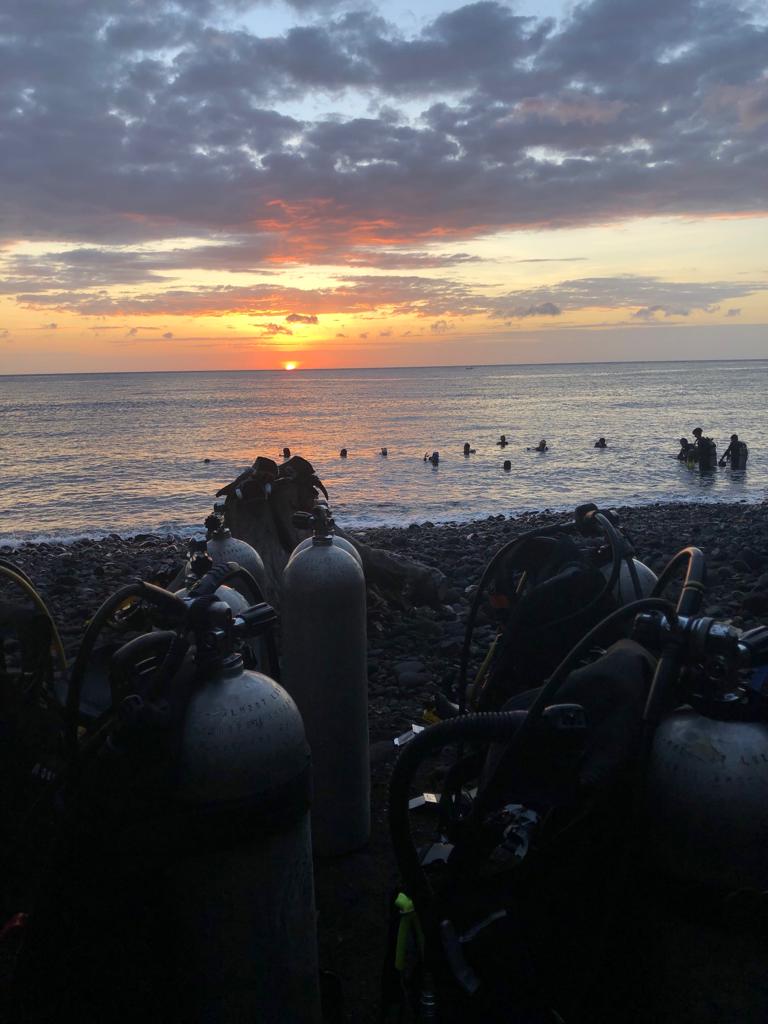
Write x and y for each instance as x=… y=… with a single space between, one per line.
x=94 y=454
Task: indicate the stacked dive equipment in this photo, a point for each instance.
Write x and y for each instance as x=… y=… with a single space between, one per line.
x=325 y=671
x=546 y=592
x=538 y=816
x=182 y=871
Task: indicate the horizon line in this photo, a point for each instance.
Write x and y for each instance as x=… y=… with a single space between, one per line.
x=426 y=366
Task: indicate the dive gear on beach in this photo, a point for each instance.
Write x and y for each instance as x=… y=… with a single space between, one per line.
x=325 y=671
x=183 y=871
x=547 y=590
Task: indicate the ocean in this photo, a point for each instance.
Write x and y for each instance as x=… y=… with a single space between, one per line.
x=93 y=454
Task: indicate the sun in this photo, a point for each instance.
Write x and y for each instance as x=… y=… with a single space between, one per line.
x=290 y=366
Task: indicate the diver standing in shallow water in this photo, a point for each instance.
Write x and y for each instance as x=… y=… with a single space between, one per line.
x=434 y=458
x=686 y=450
x=737 y=452
x=601 y=443
x=502 y=442
x=467 y=450
x=705 y=451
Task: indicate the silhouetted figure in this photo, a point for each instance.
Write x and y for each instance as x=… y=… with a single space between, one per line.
x=502 y=442
x=507 y=465
x=467 y=450
x=601 y=443
x=540 y=447
x=384 y=452
x=343 y=453
x=434 y=458
x=736 y=452
x=286 y=453
x=705 y=451
x=686 y=449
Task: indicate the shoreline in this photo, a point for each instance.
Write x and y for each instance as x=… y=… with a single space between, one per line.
x=43 y=540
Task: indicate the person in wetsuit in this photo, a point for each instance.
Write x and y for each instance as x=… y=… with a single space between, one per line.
x=736 y=452
x=685 y=449
x=705 y=451
x=502 y=442
x=601 y=443
x=540 y=447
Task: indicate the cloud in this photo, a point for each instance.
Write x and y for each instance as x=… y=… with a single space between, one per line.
x=271 y=330
x=133 y=123
x=733 y=312
x=301 y=318
x=543 y=309
x=168 y=334
x=440 y=327
x=4 y=333
x=49 y=327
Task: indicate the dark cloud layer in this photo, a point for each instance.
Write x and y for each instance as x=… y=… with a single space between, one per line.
x=125 y=122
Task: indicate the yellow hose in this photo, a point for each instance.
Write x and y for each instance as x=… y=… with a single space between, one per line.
x=30 y=591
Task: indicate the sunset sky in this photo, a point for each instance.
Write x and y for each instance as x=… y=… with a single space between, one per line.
x=213 y=184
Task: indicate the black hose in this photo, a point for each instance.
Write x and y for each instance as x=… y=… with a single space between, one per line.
x=503 y=551
x=145 y=591
x=548 y=691
x=616 y=544
x=216 y=578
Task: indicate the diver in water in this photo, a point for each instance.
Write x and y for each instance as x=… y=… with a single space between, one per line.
x=434 y=458
x=540 y=447
x=384 y=452
x=686 y=449
x=286 y=453
x=468 y=450
x=705 y=450
x=502 y=442
x=601 y=443
x=736 y=452
x=343 y=453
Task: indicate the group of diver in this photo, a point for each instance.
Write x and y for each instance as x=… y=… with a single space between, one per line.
x=702 y=453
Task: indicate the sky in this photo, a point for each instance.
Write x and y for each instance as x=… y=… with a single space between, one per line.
x=228 y=184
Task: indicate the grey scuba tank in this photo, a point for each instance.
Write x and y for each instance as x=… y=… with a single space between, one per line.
x=338 y=542
x=325 y=671
x=707 y=800
x=245 y=885
x=624 y=589
x=223 y=547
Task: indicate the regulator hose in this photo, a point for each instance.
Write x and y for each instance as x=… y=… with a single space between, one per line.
x=20 y=578
x=692 y=592
x=503 y=551
x=222 y=574
x=688 y=603
x=145 y=591
x=615 y=541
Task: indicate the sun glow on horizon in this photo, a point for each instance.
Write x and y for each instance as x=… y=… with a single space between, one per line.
x=290 y=366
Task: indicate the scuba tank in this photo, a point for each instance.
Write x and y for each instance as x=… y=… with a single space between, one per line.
x=338 y=542
x=324 y=670
x=199 y=563
x=223 y=547
x=182 y=876
x=249 y=907
x=707 y=778
x=739 y=455
x=632 y=584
